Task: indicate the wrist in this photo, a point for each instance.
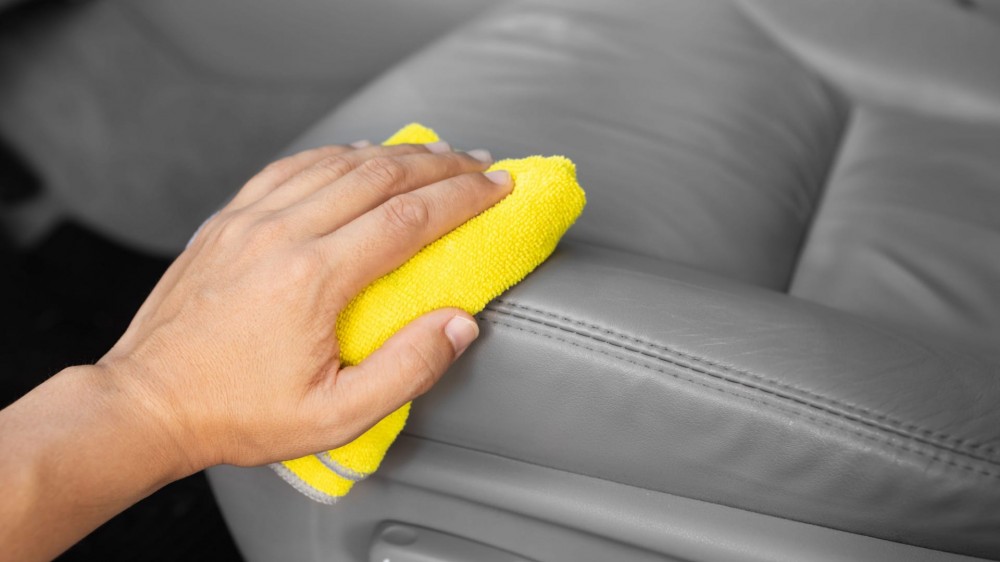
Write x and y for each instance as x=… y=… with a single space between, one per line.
x=76 y=450
x=142 y=416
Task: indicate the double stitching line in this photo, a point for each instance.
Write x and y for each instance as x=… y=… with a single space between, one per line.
x=932 y=456
x=944 y=438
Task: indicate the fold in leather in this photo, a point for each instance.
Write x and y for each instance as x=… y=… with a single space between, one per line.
x=674 y=380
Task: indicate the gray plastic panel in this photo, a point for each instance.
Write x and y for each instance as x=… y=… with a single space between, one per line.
x=399 y=542
x=533 y=511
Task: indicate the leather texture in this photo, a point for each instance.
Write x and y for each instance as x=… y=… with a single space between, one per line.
x=702 y=143
x=538 y=512
x=843 y=152
x=909 y=228
x=300 y=41
x=644 y=373
x=926 y=56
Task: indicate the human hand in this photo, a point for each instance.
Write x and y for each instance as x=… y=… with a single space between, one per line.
x=234 y=353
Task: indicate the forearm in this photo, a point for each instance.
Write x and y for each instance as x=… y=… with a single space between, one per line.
x=233 y=357
x=74 y=452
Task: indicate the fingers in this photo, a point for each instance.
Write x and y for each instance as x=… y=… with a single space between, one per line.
x=280 y=171
x=326 y=159
x=381 y=240
x=332 y=168
x=406 y=366
x=375 y=181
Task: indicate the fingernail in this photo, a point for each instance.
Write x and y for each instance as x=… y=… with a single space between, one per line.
x=501 y=177
x=481 y=155
x=461 y=332
x=438 y=147
x=361 y=143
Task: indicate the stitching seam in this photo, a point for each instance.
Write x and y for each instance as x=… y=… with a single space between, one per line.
x=899 y=426
x=827 y=423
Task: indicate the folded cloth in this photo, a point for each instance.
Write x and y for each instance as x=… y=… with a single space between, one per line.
x=466 y=268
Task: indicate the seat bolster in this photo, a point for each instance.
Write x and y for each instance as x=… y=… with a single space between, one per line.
x=940 y=62
x=697 y=139
x=653 y=375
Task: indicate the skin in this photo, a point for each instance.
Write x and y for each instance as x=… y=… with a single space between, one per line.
x=233 y=357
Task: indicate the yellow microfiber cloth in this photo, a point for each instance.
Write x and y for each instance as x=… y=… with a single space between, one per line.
x=466 y=268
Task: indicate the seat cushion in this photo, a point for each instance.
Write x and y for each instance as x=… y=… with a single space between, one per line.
x=699 y=140
x=909 y=228
x=648 y=374
x=705 y=137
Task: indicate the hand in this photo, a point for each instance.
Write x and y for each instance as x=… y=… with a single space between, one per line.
x=234 y=352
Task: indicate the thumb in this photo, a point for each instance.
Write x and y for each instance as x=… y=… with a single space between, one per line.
x=406 y=365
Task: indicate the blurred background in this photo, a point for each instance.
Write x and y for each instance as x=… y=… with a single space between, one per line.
x=122 y=125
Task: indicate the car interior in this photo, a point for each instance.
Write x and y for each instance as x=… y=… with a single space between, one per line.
x=773 y=334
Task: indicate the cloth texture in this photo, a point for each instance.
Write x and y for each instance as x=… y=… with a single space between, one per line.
x=466 y=268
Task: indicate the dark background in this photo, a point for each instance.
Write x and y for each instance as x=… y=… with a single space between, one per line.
x=65 y=300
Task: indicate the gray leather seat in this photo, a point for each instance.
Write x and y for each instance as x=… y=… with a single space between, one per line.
x=774 y=332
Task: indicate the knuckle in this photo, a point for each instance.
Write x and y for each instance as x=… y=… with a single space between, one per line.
x=384 y=170
x=468 y=187
x=268 y=231
x=451 y=164
x=228 y=228
x=406 y=212
x=302 y=266
x=473 y=182
x=422 y=367
x=333 y=167
x=277 y=168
